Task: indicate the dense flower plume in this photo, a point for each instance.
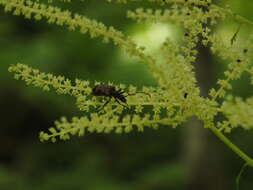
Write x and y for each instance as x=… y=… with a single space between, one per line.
x=177 y=96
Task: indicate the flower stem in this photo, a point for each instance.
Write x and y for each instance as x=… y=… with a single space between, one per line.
x=232 y=146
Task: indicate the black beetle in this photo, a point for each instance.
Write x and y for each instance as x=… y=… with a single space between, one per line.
x=110 y=91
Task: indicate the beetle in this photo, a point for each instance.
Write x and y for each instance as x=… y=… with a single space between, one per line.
x=110 y=91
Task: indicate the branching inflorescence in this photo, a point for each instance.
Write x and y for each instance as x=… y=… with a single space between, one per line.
x=177 y=96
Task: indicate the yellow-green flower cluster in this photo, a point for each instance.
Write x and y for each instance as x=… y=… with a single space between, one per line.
x=54 y=15
x=46 y=81
x=239 y=62
x=65 y=1
x=192 y=16
x=105 y=123
x=163 y=2
x=238 y=113
x=177 y=96
x=164 y=107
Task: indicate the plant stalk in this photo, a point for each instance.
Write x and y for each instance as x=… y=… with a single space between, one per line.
x=232 y=146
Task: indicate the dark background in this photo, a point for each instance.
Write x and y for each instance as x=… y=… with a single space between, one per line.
x=188 y=157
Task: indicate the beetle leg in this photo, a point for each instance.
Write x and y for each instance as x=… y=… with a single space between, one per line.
x=104 y=104
x=120 y=91
x=121 y=103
